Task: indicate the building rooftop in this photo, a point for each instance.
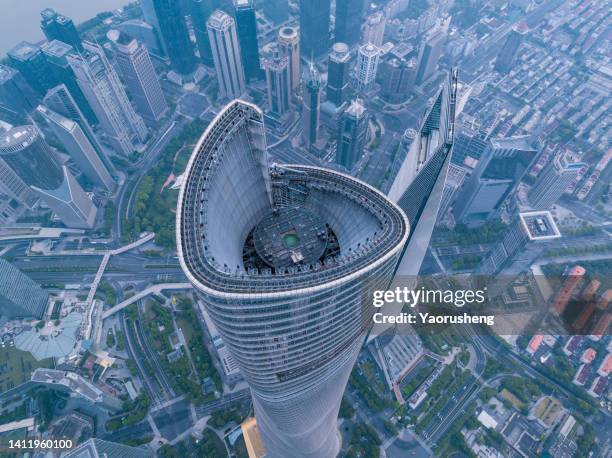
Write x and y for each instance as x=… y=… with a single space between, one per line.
x=539 y=225
x=56 y=48
x=23 y=51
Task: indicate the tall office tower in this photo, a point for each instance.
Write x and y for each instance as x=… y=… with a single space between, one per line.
x=276 y=11
x=139 y=76
x=398 y=76
x=367 y=66
x=374 y=29
x=507 y=55
x=200 y=12
x=470 y=141
x=311 y=107
x=106 y=96
x=79 y=148
x=352 y=134
x=56 y=26
x=20 y=296
x=30 y=61
x=143 y=32
x=24 y=150
x=246 y=28
x=553 y=181
x=454 y=179
x=282 y=260
x=60 y=100
x=226 y=55
x=15 y=188
x=314 y=27
x=348 y=21
x=498 y=172
x=419 y=193
x=150 y=16
x=15 y=92
x=289 y=42
x=401 y=153
x=429 y=54
x=56 y=53
x=338 y=73
x=278 y=82
x=523 y=242
x=175 y=35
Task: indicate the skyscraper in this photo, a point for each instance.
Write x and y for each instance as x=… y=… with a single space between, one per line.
x=338 y=73
x=28 y=155
x=143 y=32
x=470 y=141
x=15 y=92
x=78 y=147
x=56 y=26
x=61 y=101
x=429 y=54
x=30 y=61
x=351 y=135
x=289 y=42
x=246 y=28
x=278 y=81
x=226 y=55
x=499 y=170
x=507 y=55
x=150 y=16
x=314 y=27
x=15 y=188
x=106 y=96
x=398 y=75
x=56 y=53
x=20 y=296
x=200 y=12
x=276 y=11
x=374 y=29
x=175 y=35
x=139 y=76
x=554 y=179
x=291 y=311
x=348 y=21
x=367 y=66
x=311 y=107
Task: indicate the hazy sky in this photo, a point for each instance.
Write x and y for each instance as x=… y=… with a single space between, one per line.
x=20 y=19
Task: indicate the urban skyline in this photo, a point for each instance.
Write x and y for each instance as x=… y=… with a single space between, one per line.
x=204 y=202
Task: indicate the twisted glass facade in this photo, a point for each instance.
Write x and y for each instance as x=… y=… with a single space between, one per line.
x=295 y=330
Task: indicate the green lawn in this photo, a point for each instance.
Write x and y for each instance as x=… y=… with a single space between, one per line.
x=16 y=366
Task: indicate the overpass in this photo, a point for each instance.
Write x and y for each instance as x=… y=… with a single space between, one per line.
x=144 y=293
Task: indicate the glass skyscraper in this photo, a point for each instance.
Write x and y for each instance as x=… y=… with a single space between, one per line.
x=314 y=27
x=246 y=28
x=175 y=35
x=56 y=26
x=348 y=21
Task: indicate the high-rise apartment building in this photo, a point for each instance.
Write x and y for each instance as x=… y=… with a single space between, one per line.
x=374 y=29
x=507 y=56
x=61 y=101
x=278 y=81
x=553 y=181
x=56 y=53
x=20 y=296
x=276 y=11
x=314 y=27
x=200 y=12
x=246 y=29
x=351 y=134
x=15 y=93
x=348 y=21
x=338 y=73
x=226 y=55
x=289 y=42
x=429 y=54
x=367 y=66
x=78 y=146
x=291 y=310
x=174 y=33
x=106 y=96
x=139 y=76
x=24 y=150
x=30 y=61
x=56 y=26
x=311 y=107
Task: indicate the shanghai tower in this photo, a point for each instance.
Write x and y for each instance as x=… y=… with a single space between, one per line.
x=284 y=258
